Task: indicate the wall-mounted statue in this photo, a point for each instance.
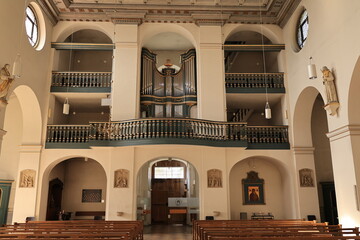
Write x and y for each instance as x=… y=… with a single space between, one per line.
x=27 y=178
x=306 y=177
x=5 y=80
x=121 y=178
x=214 y=177
x=331 y=95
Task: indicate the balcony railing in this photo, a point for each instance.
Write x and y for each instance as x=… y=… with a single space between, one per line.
x=258 y=82
x=168 y=131
x=67 y=133
x=75 y=80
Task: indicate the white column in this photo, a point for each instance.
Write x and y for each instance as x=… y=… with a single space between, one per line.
x=25 y=197
x=121 y=203
x=345 y=154
x=211 y=83
x=125 y=92
x=308 y=200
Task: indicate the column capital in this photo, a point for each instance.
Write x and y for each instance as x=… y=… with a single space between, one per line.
x=126 y=45
x=30 y=148
x=344 y=131
x=217 y=46
x=303 y=150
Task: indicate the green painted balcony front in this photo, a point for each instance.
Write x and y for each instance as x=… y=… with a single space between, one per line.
x=167 y=131
x=96 y=82
x=254 y=82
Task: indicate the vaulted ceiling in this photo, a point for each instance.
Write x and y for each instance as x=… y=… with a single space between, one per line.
x=201 y=12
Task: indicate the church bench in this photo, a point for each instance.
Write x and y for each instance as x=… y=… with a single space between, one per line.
x=132 y=230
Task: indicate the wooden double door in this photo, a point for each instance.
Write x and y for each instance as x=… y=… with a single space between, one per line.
x=162 y=190
x=5 y=187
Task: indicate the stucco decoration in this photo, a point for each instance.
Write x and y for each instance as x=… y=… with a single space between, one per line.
x=121 y=178
x=306 y=177
x=214 y=177
x=331 y=95
x=27 y=178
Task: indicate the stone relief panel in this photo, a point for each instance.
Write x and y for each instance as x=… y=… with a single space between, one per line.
x=214 y=177
x=27 y=178
x=306 y=177
x=121 y=178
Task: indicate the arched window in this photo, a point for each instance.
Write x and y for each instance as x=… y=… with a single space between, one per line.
x=302 y=29
x=31 y=25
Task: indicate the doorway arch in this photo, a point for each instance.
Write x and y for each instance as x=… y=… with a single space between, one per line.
x=167 y=192
x=83 y=195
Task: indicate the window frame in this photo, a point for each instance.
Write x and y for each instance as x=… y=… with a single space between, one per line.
x=33 y=25
x=299 y=30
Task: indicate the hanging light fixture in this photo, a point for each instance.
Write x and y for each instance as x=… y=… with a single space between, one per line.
x=267 y=105
x=311 y=70
x=66 y=107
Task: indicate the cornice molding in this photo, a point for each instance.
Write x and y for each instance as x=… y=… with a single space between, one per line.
x=342 y=132
x=303 y=150
x=49 y=10
x=132 y=21
x=2 y=133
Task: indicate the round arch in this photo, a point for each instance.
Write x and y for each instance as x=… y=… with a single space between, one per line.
x=277 y=176
x=354 y=98
x=44 y=180
x=149 y=190
x=271 y=34
x=154 y=29
x=64 y=30
x=302 y=117
x=31 y=111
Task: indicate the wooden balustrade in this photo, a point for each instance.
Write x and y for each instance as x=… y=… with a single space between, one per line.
x=267 y=134
x=67 y=133
x=168 y=128
x=81 y=79
x=148 y=129
x=254 y=80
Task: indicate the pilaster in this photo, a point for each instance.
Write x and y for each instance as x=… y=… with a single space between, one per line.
x=307 y=191
x=27 y=182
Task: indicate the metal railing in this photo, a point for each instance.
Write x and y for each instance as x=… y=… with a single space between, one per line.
x=81 y=79
x=167 y=128
x=254 y=80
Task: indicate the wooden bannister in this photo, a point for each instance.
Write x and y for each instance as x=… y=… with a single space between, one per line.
x=168 y=128
x=81 y=79
x=67 y=133
x=254 y=80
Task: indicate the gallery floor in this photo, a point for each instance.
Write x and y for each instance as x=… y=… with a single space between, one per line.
x=166 y=232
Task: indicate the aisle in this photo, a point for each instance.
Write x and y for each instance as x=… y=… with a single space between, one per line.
x=167 y=232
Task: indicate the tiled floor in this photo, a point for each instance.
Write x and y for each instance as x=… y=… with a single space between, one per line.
x=167 y=232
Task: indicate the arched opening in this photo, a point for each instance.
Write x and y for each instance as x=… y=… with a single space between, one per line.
x=167 y=192
x=272 y=186
x=310 y=128
x=168 y=69
x=247 y=71
x=77 y=190
x=354 y=98
x=22 y=104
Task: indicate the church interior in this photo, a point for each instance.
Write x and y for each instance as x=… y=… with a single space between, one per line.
x=171 y=111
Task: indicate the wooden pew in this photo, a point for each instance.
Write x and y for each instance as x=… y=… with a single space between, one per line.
x=86 y=229
x=269 y=229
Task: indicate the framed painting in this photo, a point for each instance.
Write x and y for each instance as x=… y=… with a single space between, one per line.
x=253 y=189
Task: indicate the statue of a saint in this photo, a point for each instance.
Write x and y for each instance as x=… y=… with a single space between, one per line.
x=5 y=80
x=328 y=81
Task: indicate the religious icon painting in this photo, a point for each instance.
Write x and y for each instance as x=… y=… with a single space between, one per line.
x=253 y=189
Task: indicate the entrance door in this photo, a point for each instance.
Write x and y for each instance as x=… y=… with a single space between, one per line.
x=330 y=208
x=54 y=199
x=5 y=187
x=168 y=181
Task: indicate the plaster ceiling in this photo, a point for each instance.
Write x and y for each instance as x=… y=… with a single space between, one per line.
x=167 y=11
